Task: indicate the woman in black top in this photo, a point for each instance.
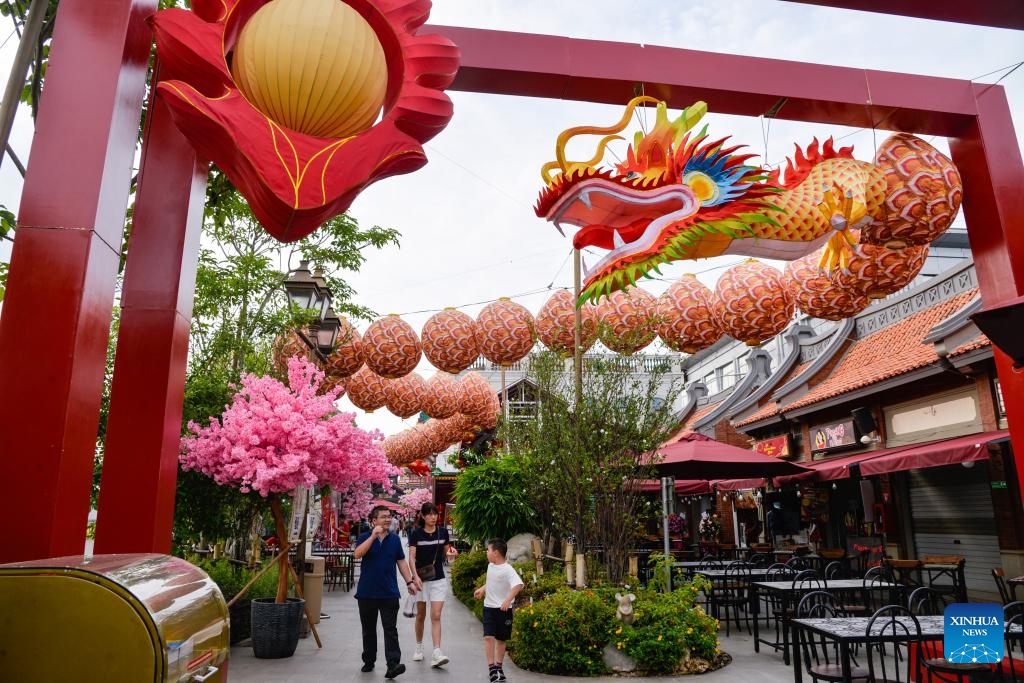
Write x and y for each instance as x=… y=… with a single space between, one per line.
x=428 y=544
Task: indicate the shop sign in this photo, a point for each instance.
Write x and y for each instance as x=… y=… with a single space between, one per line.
x=999 y=484
x=775 y=447
x=833 y=436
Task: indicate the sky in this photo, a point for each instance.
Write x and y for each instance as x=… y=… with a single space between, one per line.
x=469 y=234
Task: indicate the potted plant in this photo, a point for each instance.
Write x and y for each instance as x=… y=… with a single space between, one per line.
x=271 y=439
x=677 y=530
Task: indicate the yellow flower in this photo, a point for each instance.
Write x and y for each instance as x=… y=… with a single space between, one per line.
x=618 y=630
x=535 y=624
x=619 y=645
x=689 y=630
x=659 y=639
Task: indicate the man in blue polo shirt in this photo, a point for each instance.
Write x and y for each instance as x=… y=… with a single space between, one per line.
x=377 y=591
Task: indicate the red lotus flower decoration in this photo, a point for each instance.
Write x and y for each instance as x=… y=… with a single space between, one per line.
x=295 y=181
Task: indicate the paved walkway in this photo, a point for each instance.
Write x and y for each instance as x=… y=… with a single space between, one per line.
x=339 y=660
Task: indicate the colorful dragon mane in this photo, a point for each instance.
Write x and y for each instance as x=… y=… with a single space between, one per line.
x=681 y=195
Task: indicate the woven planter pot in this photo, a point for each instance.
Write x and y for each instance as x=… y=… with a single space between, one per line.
x=275 y=627
x=240 y=616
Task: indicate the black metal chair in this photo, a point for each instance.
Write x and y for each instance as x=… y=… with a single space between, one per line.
x=925 y=601
x=893 y=623
x=798 y=563
x=820 y=656
x=759 y=560
x=733 y=595
x=1011 y=669
x=771 y=602
x=999 y=576
x=710 y=562
x=834 y=570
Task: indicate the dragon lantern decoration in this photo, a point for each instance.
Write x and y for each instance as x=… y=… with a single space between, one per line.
x=681 y=194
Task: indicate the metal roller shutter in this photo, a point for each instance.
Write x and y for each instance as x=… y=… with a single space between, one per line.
x=952 y=514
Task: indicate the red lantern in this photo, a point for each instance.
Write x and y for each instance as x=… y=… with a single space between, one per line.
x=626 y=320
x=506 y=331
x=435 y=435
x=556 y=324
x=819 y=293
x=390 y=347
x=485 y=415
x=751 y=302
x=404 y=396
x=366 y=390
x=683 y=313
x=450 y=340
x=442 y=396
x=347 y=356
x=923 y=195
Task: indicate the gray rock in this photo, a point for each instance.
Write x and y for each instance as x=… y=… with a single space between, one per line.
x=617 y=660
x=520 y=548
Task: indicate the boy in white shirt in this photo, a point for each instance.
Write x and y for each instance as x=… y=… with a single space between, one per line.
x=499 y=592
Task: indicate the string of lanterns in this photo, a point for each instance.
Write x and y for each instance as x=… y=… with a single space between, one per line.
x=752 y=302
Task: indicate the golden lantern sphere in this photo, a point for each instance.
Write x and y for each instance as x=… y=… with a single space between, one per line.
x=314 y=66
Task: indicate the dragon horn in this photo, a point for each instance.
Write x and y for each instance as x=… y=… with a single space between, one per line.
x=568 y=134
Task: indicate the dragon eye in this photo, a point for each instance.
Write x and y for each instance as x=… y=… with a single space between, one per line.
x=702 y=185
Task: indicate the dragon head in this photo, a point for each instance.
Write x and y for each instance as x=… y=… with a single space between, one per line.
x=677 y=195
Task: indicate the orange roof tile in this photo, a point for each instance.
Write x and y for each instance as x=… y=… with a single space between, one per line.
x=685 y=430
x=892 y=351
x=772 y=408
x=976 y=343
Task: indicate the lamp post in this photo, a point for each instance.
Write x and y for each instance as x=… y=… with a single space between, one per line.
x=309 y=291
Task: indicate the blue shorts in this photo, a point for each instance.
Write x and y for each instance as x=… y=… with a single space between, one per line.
x=497 y=623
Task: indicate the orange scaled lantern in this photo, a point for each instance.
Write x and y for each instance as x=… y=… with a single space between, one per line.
x=877 y=272
x=751 y=302
x=626 y=320
x=366 y=390
x=556 y=324
x=506 y=331
x=347 y=356
x=442 y=396
x=923 y=196
x=286 y=346
x=450 y=340
x=390 y=347
x=404 y=396
x=819 y=293
x=474 y=394
x=683 y=314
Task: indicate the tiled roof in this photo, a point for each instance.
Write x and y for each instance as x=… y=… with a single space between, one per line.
x=686 y=430
x=772 y=407
x=892 y=351
x=978 y=342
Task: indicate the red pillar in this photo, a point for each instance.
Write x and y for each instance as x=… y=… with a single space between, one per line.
x=993 y=174
x=56 y=315
x=136 y=505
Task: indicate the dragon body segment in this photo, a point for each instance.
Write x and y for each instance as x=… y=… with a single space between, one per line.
x=680 y=195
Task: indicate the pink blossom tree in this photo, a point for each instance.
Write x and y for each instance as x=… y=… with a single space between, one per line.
x=273 y=438
x=412 y=501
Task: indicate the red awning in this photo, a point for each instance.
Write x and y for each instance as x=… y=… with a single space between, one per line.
x=686 y=487
x=910 y=457
x=738 y=484
x=933 y=454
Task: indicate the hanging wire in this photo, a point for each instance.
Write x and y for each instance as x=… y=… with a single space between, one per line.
x=479 y=177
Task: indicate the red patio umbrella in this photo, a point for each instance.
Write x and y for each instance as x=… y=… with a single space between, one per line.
x=699 y=457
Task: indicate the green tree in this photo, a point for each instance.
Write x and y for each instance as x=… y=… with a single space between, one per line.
x=491 y=500
x=580 y=462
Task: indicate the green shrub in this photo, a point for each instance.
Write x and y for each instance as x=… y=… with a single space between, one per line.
x=231 y=577
x=668 y=627
x=564 y=633
x=469 y=570
x=538 y=587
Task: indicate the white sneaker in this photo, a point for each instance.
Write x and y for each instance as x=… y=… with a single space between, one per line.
x=417 y=655
x=439 y=659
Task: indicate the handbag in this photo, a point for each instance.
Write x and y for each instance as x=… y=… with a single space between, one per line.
x=428 y=572
x=410 y=606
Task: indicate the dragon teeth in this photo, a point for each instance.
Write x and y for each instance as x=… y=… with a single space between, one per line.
x=585 y=198
x=617 y=239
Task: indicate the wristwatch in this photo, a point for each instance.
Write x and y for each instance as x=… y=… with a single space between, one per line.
x=409 y=582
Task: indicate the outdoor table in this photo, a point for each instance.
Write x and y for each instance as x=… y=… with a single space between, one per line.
x=848 y=631
x=789 y=595
x=689 y=566
x=954 y=571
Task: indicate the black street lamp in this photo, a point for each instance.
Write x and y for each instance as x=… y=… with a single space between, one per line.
x=309 y=291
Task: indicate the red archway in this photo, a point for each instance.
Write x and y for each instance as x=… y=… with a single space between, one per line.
x=65 y=259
